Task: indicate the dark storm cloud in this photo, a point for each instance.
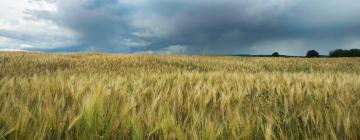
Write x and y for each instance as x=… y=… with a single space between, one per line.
x=210 y=26
x=98 y=23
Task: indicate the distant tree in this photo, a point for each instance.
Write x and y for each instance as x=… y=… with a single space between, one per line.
x=345 y=53
x=312 y=53
x=275 y=54
x=355 y=52
x=338 y=53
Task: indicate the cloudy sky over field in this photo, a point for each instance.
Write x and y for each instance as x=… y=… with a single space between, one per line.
x=180 y=26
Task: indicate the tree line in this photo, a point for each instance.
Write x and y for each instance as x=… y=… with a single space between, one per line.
x=345 y=53
x=334 y=53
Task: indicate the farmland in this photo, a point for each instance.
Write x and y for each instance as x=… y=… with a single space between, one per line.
x=108 y=96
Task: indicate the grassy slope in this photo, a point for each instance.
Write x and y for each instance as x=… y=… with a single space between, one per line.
x=107 y=96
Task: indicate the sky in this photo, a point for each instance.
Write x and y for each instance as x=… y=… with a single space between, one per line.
x=290 y=27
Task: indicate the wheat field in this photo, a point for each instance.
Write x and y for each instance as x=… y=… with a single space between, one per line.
x=108 y=96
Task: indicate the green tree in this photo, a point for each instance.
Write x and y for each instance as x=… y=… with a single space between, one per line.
x=312 y=53
x=275 y=54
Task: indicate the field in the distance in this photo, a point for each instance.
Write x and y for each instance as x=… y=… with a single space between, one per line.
x=104 y=96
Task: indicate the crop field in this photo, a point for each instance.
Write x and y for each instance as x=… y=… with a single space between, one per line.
x=108 y=96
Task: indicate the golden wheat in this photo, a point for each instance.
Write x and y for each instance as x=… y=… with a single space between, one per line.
x=104 y=96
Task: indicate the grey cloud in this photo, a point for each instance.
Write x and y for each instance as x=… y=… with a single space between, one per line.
x=38 y=40
x=209 y=26
x=97 y=23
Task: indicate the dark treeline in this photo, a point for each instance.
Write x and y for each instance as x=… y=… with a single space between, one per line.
x=334 y=53
x=345 y=53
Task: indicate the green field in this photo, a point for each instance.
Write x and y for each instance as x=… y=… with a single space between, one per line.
x=107 y=96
